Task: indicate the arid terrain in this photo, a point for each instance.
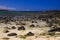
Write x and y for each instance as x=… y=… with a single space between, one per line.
x=39 y=26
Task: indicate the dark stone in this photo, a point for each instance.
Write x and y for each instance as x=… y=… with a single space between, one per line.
x=6 y=20
x=37 y=26
x=55 y=26
x=13 y=27
x=54 y=30
x=32 y=25
x=12 y=34
x=30 y=34
x=35 y=21
x=32 y=21
x=44 y=19
x=50 y=25
x=21 y=28
x=6 y=31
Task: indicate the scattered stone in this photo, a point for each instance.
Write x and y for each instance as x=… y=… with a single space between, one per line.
x=6 y=21
x=13 y=27
x=5 y=31
x=43 y=19
x=35 y=21
x=54 y=26
x=12 y=34
x=54 y=30
x=32 y=25
x=21 y=28
x=30 y=34
x=32 y=21
x=37 y=26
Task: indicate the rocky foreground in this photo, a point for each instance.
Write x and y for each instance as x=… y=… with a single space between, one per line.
x=27 y=30
x=36 y=26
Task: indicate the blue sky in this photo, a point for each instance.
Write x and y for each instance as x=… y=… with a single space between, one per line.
x=30 y=5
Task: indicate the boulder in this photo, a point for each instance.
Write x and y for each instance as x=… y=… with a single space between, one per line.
x=54 y=30
x=12 y=34
x=32 y=25
x=30 y=34
x=13 y=27
x=21 y=28
x=6 y=31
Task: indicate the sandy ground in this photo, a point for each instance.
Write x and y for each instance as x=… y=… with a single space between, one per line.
x=37 y=31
